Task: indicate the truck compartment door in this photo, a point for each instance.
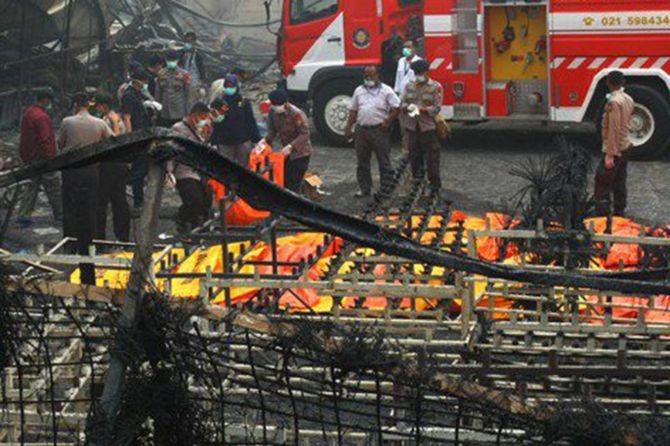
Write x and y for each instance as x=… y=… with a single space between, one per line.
x=313 y=37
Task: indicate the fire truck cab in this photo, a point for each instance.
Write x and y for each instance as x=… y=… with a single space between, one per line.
x=497 y=59
x=324 y=46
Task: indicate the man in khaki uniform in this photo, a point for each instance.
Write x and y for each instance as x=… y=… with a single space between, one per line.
x=610 y=181
x=172 y=91
x=421 y=102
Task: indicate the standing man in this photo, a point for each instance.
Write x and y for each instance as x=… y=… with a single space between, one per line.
x=373 y=109
x=38 y=143
x=155 y=65
x=612 y=171
x=421 y=103
x=290 y=124
x=172 y=90
x=136 y=117
x=193 y=191
x=192 y=61
x=405 y=75
x=113 y=179
x=80 y=185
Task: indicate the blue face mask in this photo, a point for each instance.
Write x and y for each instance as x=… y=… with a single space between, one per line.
x=230 y=91
x=171 y=64
x=219 y=119
x=202 y=123
x=188 y=46
x=145 y=88
x=49 y=106
x=407 y=52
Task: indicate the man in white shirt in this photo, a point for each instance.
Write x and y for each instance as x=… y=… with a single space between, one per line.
x=373 y=109
x=405 y=75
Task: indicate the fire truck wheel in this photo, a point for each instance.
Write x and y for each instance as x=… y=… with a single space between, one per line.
x=331 y=110
x=649 y=134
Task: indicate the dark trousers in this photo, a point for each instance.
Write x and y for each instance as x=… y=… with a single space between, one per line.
x=424 y=156
x=611 y=183
x=294 y=173
x=80 y=217
x=112 y=190
x=369 y=140
x=138 y=172
x=195 y=203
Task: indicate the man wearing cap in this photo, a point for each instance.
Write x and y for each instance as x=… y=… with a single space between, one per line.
x=403 y=76
x=612 y=172
x=172 y=90
x=290 y=125
x=421 y=103
x=38 y=143
x=373 y=109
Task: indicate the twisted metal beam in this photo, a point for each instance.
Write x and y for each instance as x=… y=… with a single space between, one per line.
x=266 y=195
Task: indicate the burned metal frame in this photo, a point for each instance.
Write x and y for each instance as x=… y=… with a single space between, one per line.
x=351 y=375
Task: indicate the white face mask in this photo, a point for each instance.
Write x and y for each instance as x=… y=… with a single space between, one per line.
x=279 y=109
x=369 y=83
x=421 y=79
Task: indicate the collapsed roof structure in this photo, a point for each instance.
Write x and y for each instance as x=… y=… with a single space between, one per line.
x=67 y=45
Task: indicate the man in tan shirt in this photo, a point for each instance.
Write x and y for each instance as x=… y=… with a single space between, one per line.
x=610 y=181
x=421 y=102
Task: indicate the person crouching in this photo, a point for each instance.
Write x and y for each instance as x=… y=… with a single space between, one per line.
x=192 y=189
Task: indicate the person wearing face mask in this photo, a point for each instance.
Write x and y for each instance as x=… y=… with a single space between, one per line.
x=191 y=186
x=405 y=75
x=191 y=60
x=136 y=117
x=290 y=125
x=172 y=90
x=219 y=109
x=38 y=143
x=113 y=177
x=373 y=109
x=235 y=136
x=421 y=103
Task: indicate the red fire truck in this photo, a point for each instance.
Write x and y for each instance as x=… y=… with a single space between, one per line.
x=497 y=59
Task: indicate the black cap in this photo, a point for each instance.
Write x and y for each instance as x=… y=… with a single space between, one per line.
x=278 y=97
x=141 y=75
x=80 y=99
x=45 y=94
x=218 y=104
x=420 y=66
x=172 y=55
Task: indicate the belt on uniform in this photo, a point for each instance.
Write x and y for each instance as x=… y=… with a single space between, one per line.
x=369 y=127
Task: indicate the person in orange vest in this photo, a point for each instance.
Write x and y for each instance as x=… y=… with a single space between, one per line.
x=290 y=126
